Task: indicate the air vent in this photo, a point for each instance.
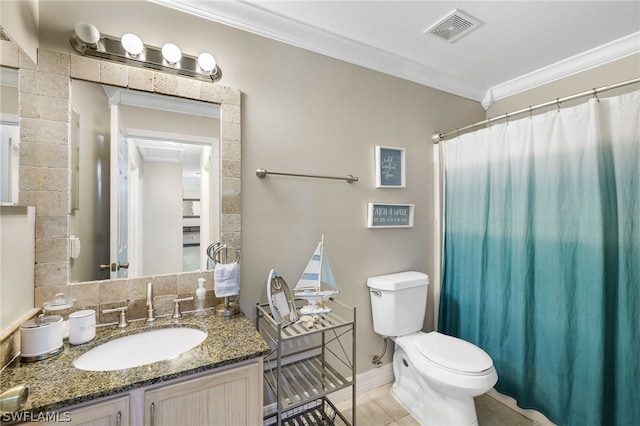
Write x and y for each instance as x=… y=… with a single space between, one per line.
x=452 y=27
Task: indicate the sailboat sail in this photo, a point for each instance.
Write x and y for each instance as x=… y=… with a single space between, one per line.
x=317 y=274
x=327 y=274
x=311 y=275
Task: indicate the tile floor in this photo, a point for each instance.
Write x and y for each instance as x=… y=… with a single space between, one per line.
x=379 y=408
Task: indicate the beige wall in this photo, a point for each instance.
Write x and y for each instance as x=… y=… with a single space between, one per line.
x=306 y=113
x=17 y=256
x=19 y=18
x=622 y=70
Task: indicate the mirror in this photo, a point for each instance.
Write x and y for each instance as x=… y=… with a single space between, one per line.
x=46 y=150
x=9 y=136
x=144 y=182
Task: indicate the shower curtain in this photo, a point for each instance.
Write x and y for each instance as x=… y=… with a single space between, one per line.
x=541 y=258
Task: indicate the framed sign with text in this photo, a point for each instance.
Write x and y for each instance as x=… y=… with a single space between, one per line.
x=387 y=215
x=390 y=167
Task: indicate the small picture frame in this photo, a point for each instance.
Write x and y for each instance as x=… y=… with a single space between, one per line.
x=390 y=167
x=389 y=215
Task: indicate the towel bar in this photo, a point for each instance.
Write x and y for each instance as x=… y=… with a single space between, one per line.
x=261 y=173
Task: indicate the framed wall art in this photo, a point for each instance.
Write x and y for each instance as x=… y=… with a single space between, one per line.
x=390 y=167
x=389 y=215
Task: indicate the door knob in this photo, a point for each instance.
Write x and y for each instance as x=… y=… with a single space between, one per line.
x=114 y=266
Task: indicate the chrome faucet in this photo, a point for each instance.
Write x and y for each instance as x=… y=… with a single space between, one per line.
x=150 y=316
x=176 y=309
x=123 y=315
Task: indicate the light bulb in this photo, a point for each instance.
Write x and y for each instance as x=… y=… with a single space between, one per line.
x=87 y=33
x=132 y=44
x=171 y=53
x=206 y=62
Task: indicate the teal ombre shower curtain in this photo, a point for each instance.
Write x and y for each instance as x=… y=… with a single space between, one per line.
x=541 y=264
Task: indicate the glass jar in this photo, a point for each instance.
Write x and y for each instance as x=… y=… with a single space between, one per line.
x=60 y=305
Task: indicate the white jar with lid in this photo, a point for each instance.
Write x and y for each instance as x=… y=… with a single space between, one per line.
x=41 y=338
x=82 y=326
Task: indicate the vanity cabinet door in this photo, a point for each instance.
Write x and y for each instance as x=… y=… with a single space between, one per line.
x=231 y=397
x=114 y=412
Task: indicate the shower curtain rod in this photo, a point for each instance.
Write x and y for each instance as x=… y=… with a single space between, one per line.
x=438 y=137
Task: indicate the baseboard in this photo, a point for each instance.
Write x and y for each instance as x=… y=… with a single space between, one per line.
x=365 y=382
x=534 y=415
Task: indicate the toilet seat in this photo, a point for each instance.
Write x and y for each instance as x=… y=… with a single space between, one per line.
x=453 y=354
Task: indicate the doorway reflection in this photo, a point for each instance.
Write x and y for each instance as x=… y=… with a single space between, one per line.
x=140 y=156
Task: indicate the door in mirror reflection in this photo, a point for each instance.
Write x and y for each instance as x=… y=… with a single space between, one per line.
x=9 y=136
x=141 y=156
x=119 y=197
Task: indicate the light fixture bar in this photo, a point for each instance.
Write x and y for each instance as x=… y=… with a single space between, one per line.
x=111 y=49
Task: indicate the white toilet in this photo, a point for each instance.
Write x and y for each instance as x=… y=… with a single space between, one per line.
x=436 y=376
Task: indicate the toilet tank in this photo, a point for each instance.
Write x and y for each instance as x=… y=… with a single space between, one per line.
x=398 y=302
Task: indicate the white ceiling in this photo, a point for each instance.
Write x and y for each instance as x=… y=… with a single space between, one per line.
x=516 y=46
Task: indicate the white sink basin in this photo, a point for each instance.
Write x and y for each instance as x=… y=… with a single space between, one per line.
x=140 y=349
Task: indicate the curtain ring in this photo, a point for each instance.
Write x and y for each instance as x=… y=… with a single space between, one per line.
x=506 y=117
x=530 y=112
x=558 y=103
x=595 y=94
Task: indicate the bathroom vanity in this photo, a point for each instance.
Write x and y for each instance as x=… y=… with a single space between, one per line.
x=217 y=382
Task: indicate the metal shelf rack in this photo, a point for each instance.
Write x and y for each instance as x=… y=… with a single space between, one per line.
x=308 y=363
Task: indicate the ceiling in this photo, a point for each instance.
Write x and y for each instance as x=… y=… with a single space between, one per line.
x=513 y=45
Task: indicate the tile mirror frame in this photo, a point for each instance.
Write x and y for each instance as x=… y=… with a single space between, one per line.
x=45 y=161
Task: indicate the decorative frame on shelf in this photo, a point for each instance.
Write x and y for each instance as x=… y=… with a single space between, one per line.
x=389 y=215
x=390 y=167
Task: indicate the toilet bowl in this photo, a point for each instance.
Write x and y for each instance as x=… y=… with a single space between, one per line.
x=436 y=376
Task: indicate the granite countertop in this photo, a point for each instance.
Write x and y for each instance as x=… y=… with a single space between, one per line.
x=54 y=383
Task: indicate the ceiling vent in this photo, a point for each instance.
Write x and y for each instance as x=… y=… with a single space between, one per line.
x=452 y=27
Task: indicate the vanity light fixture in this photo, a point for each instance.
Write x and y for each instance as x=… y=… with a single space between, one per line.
x=130 y=50
x=132 y=44
x=85 y=36
x=206 y=62
x=171 y=53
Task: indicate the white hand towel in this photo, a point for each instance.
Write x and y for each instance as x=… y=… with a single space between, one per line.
x=226 y=281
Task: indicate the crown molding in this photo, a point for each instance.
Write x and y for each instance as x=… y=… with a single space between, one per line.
x=252 y=18
x=593 y=58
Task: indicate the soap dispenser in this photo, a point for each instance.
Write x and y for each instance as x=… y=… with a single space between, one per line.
x=201 y=295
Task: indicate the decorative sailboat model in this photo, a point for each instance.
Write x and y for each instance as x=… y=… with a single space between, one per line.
x=316 y=284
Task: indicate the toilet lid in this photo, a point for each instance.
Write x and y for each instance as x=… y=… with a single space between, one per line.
x=453 y=353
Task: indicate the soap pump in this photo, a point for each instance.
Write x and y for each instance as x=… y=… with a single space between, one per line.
x=201 y=295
